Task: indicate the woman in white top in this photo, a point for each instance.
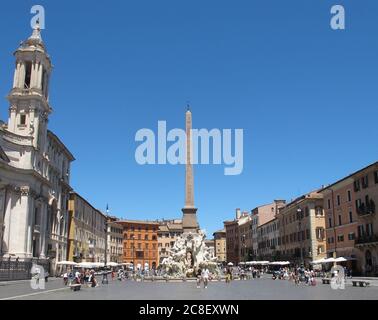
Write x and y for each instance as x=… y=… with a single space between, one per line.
x=205 y=276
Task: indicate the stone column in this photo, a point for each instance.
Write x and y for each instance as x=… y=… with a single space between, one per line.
x=39 y=79
x=12 y=119
x=42 y=239
x=30 y=226
x=21 y=75
x=16 y=75
x=18 y=229
x=34 y=75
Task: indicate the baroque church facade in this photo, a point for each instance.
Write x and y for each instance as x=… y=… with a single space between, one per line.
x=34 y=164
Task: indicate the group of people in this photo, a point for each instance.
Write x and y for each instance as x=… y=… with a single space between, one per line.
x=297 y=275
x=203 y=275
x=76 y=277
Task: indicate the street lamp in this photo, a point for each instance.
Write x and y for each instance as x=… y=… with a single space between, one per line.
x=299 y=218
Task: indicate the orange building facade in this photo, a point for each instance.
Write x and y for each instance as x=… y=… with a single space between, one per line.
x=140 y=243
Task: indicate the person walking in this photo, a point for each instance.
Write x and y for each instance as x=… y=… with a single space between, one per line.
x=199 y=276
x=205 y=276
x=65 y=278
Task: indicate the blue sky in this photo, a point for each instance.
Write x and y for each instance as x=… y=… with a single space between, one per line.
x=305 y=95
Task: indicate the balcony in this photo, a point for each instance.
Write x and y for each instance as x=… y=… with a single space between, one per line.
x=367 y=240
x=365 y=210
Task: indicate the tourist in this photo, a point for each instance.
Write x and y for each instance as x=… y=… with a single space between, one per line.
x=199 y=275
x=120 y=275
x=205 y=276
x=92 y=279
x=228 y=275
x=65 y=278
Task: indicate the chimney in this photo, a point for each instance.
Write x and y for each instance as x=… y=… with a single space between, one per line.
x=238 y=214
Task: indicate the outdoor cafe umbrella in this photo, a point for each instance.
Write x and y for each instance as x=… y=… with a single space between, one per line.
x=280 y=263
x=230 y=264
x=66 y=263
x=112 y=264
x=86 y=265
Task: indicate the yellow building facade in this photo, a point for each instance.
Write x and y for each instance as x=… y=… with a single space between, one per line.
x=86 y=231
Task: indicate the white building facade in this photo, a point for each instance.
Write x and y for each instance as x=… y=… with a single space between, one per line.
x=34 y=165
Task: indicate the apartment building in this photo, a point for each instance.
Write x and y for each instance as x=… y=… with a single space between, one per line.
x=302 y=236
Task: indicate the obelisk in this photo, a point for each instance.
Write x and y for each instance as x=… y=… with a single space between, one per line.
x=189 y=218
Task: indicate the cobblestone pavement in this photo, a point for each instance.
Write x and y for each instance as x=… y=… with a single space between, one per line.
x=237 y=290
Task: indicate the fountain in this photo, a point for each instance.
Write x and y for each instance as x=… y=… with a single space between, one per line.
x=188 y=254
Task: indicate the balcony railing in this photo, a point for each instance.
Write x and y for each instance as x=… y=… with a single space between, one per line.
x=363 y=209
x=367 y=239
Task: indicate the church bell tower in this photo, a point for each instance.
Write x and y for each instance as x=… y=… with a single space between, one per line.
x=29 y=106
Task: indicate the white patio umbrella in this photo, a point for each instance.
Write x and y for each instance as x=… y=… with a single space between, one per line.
x=66 y=263
x=86 y=264
x=340 y=259
x=99 y=264
x=230 y=264
x=320 y=261
x=280 y=263
x=112 y=264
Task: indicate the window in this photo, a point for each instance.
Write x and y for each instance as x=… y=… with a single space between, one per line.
x=360 y=231
x=338 y=200
x=330 y=222
x=369 y=229
x=350 y=217
x=139 y=237
x=340 y=222
x=28 y=70
x=329 y=204
x=365 y=182
x=351 y=236
x=349 y=196
x=357 y=186
x=376 y=177
x=23 y=119
x=146 y=237
x=307 y=211
x=320 y=234
x=319 y=211
x=320 y=249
